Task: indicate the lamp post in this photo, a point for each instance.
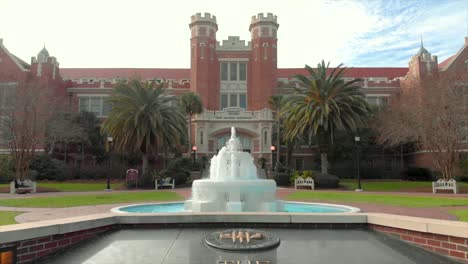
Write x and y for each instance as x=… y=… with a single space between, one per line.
x=273 y=150
x=194 y=151
x=109 y=142
x=356 y=141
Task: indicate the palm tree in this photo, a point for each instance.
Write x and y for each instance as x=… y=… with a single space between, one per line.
x=322 y=104
x=275 y=102
x=143 y=119
x=191 y=104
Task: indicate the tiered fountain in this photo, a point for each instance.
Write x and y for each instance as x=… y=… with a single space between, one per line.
x=233 y=185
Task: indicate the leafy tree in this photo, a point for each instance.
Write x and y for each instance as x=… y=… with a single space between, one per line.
x=322 y=104
x=143 y=119
x=191 y=104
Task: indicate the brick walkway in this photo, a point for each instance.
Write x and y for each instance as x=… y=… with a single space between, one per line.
x=39 y=214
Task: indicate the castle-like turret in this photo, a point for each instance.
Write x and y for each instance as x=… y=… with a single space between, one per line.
x=263 y=60
x=204 y=73
x=45 y=66
x=423 y=64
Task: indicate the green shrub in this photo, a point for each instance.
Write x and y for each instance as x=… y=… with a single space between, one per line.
x=417 y=174
x=308 y=174
x=464 y=167
x=179 y=169
x=282 y=178
x=7 y=173
x=44 y=167
x=463 y=178
x=294 y=176
x=326 y=181
x=304 y=174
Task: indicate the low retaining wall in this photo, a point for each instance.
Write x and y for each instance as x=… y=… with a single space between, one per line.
x=452 y=246
x=36 y=240
x=32 y=249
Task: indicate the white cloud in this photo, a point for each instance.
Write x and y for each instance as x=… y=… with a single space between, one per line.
x=146 y=33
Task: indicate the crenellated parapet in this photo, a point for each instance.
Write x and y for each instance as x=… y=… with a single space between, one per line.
x=233 y=43
x=264 y=25
x=203 y=25
x=269 y=17
x=206 y=17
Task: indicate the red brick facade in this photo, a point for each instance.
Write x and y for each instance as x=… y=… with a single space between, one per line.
x=244 y=99
x=454 y=247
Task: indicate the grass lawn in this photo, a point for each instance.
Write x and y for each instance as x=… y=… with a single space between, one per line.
x=72 y=186
x=8 y=218
x=395 y=200
x=461 y=214
x=389 y=185
x=94 y=199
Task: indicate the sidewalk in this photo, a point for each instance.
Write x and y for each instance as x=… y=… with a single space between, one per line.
x=39 y=214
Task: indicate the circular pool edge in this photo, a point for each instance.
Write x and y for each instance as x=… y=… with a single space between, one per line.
x=350 y=209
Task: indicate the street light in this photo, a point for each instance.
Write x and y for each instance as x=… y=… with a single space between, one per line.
x=273 y=150
x=194 y=151
x=356 y=140
x=109 y=142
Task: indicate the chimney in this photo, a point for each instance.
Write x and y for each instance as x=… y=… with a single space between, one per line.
x=1 y=41
x=466 y=40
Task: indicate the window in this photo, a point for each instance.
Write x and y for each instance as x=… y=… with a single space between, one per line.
x=242 y=101
x=233 y=101
x=95 y=104
x=242 y=71
x=233 y=70
x=7 y=96
x=224 y=101
x=224 y=71
x=201 y=137
x=377 y=100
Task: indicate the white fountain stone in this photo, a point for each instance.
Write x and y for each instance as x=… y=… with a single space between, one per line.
x=233 y=185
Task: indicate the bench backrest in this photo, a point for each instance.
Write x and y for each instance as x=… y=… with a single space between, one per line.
x=308 y=180
x=168 y=180
x=27 y=182
x=442 y=183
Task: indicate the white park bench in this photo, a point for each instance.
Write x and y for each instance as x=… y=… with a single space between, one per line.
x=304 y=182
x=164 y=182
x=445 y=185
x=24 y=187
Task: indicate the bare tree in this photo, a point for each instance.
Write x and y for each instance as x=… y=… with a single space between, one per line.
x=23 y=124
x=434 y=116
x=63 y=129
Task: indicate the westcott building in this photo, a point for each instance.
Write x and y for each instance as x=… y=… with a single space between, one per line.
x=234 y=78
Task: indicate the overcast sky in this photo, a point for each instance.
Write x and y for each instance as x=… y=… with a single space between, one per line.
x=155 y=34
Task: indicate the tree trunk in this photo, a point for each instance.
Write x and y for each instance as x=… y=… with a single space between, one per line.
x=52 y=147
x=289 y=155
x=324 y=163
x=144 y=166
x=189 y=133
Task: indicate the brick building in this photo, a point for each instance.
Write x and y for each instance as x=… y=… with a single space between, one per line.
x=234 y=78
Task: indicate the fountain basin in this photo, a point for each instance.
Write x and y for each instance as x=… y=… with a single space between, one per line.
x=257 y=195
x=288 y=207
